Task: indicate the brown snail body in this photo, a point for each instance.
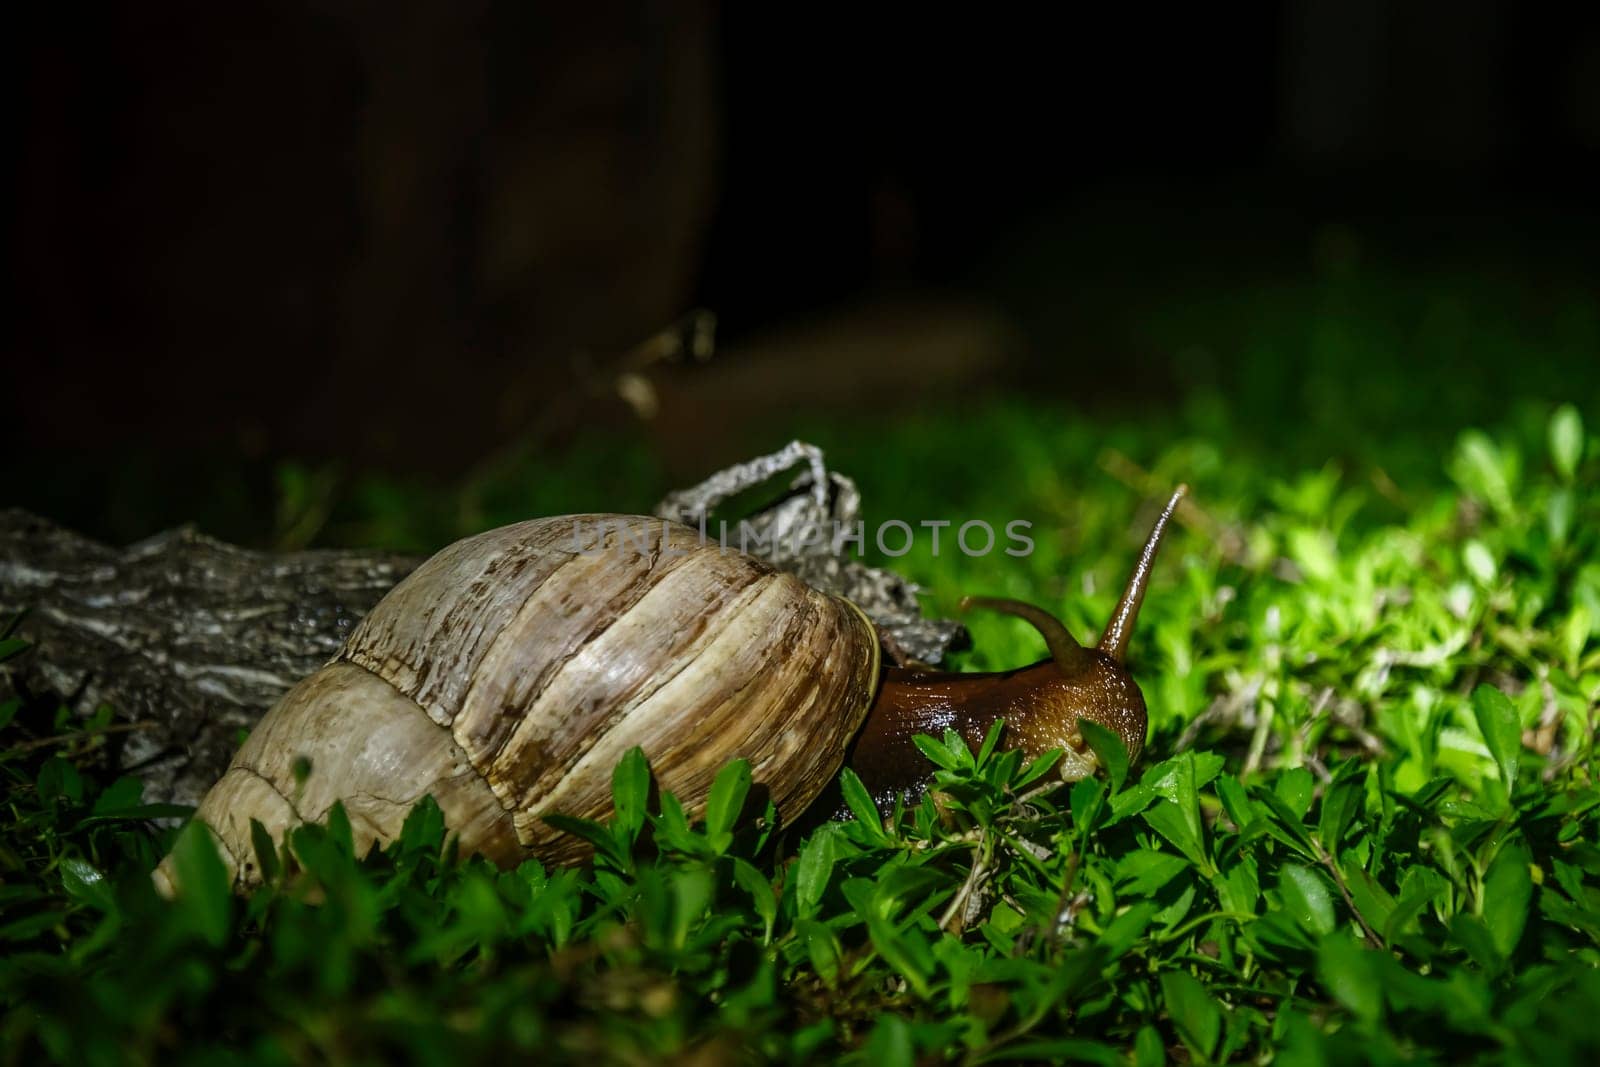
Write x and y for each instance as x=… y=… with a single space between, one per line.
x=508 y=674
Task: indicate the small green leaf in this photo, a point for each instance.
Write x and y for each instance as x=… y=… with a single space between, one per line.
x=1001 y=771
x=1236 y=801
x=1148 y=1048
x=1341 y=799
x=890 y=1043
x=1420 y=887
x=814 y=867
x=1479 y=562
x=267 y=850
x=103 y=714
x=423 y=830
x=822 y=947
x=119 y=796
x=1109 y=749
x=861 y=805
x=1087 y=801
x=755 y=883
x=1315 y=552
x=1037 y=769
x=1283 y=822
x=1502 y=731
x=1295 y=787
x=1507 y=892
x=84 y=882
x=1178 y=780
x=935 y=751
x=339 y=831
x=139 y=813
x=630 y=793
x=1566 y=441
x=956 y=745
x=1143 y=871
x=898 y=885
x=1239 y=888
x=204 y=889
x=1347 y=971
x=1059 y=1050
x=1575 y=636
x=1371 y=899
x=597 y=835
x=31 y=926
x=1168 y=820
x=691 y=895
x=1558 y=509
x=672 y=830
x=1474 y=936
x=1195 y=1013
x=1306 y=897
x=732 y=785
x=991 y=740
x=59 y=780
x=1123 y=932
x=1480 y=468
x=906 y=950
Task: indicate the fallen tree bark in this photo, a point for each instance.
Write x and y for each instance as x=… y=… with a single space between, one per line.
x=189 y=640
x=186 y=636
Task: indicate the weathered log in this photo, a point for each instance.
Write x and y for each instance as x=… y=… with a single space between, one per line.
x=192 y=639
x=189 y=636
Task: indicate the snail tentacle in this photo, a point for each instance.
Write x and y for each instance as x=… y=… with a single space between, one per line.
x=1071 y=657
x=1114 y=643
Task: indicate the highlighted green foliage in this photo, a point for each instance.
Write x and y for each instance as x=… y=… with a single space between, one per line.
x=1364 y=828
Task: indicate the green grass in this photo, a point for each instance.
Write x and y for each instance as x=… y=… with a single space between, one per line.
x=1365 y=828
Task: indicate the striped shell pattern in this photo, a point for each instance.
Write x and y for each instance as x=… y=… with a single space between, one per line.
x=508 y=674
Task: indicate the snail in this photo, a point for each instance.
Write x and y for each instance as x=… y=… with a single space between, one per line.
x=509 y=673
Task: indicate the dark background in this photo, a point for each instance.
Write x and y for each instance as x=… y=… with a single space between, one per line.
x=402 y=237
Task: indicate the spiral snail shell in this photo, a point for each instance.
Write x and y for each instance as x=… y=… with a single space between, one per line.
x=509 y=673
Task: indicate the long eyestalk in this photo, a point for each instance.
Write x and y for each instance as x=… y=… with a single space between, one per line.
x=1114 y=643
x=1071 y=657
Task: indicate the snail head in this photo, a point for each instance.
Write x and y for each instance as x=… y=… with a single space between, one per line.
x=1079 y=682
